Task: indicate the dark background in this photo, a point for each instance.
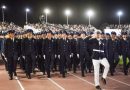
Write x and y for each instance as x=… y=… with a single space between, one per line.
x=105 y=11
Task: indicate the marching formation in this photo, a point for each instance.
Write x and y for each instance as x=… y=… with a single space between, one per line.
x=64 y=51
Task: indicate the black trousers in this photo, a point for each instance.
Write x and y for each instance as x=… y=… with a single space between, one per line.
x=113 y=61
x=76 y=61
x=11 y=64
x=30 y=63
x=64 y=63
x=84 y=57
x=22 y=62
x=49 y=62
x=41 y=63
x=125 y=64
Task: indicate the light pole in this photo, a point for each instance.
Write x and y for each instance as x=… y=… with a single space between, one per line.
x=119 y=13
x=90 y=13
x=67 y=13
x=47 y=11
x=3 y=15
x=27 y=10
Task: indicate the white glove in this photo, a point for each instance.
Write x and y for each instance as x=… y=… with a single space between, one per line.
x=78 y=55
x=70 y=56
x=55 y=55
x=44 y=56
x=18 y=58
x=6 y=59
x=24 y=57
x=58 y=56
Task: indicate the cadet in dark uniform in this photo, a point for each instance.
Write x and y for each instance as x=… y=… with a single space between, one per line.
x=19 y=49
x=70 y=44
x=113 y=51
x=11 y=53
x=125 y=51
x=64 y=61
x=38 y=42
x=83 y=52
x=43 y=37
x=29 y=53
x=56 y=51
x=75 y=51
x=49 y=53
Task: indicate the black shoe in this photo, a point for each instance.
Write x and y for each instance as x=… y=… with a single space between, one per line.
x=112 y=74
x=89 y=71
x=49 y=76
x=63 y=75
x=29 y=76
x=98 y=88
x=83 y=75
x=74 y=71
x=126 y=73
x=11 y=78
x=103 y=81
x=15 y=74
x=44 y=73
x=34 y=72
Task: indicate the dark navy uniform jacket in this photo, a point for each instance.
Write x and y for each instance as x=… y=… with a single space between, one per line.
x=49 y=46
x=98 y=49
x=113 y=47
x=75 y=48
x=10 y=47
x=28 y=47
x=63 y=47
x=125 y=46
x=83 y=46
x=38 y=43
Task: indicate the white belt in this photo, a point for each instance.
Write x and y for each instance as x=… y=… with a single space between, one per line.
x=98 y=50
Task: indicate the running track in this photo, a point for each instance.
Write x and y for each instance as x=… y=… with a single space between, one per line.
x=71 y=82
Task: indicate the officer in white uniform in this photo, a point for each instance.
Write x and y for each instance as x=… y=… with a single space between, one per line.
x=99 y=57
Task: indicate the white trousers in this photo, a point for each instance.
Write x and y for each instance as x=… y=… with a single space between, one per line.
x=96 y=64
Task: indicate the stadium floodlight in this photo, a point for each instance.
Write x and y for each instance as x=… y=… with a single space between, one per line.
x=3 y=15
x=4 y=7
x=67 y=13
x=47 y=11
x=119 y=13
x=90 y=13
x=27 y=10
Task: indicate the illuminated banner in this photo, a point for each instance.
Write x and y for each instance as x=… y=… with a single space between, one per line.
x=118 y=31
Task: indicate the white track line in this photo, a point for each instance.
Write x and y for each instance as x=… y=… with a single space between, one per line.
x=56 y=84
x=20 y=84
x=82 y=79
x=123 y=73
x=119 y=81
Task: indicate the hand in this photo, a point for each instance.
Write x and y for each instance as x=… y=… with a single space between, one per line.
x=78 y=55
x=55 y=55
x=58 y=56
x=70 y=56
x=44 y=56
x=24 y=57
x=18 y=58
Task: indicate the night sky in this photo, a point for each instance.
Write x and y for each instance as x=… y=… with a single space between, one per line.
x=105 y=11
